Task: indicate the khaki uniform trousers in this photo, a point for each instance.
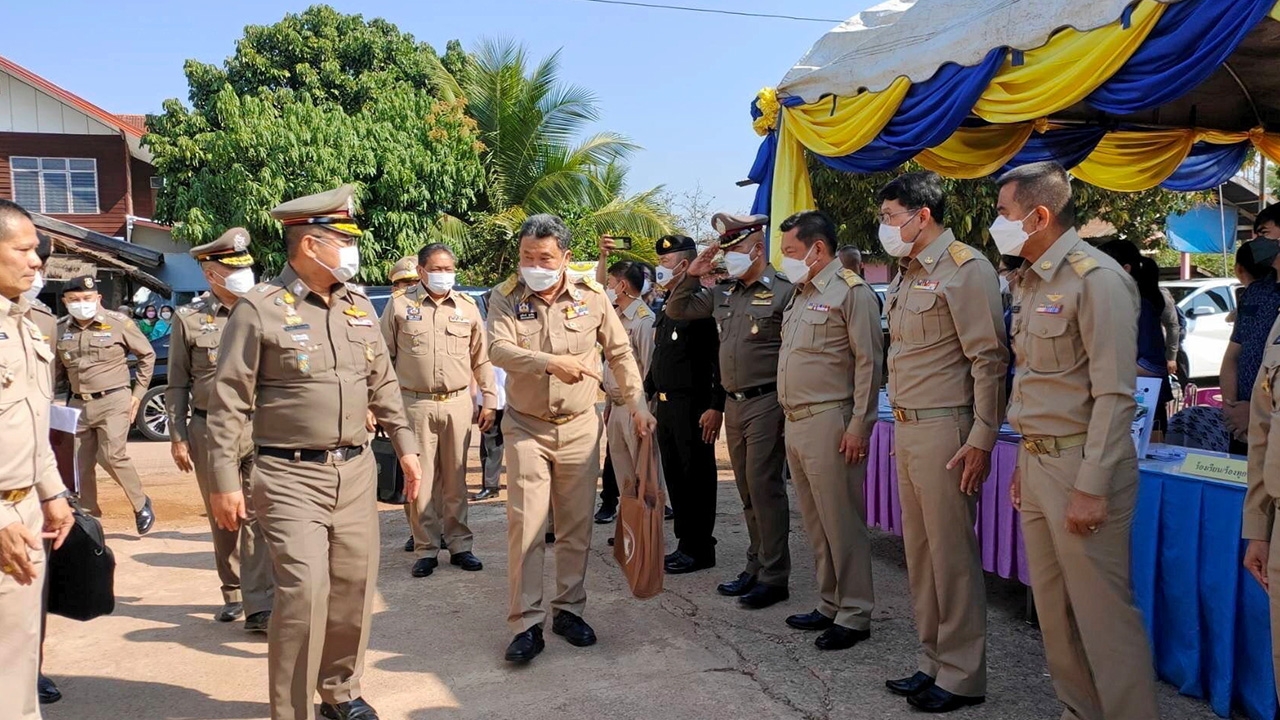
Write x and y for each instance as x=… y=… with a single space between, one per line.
x=320 y=522
x=1273 y=571
x=1098 y=653
x=834 y=511
x=944 y=565
x=20 y=627
x=241 y=557
x=549 y=466
x=102 y=436
x=444 y=430
x=754 y=431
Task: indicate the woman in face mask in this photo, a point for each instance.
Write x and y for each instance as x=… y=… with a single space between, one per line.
x=147 y=323
x=163 y=324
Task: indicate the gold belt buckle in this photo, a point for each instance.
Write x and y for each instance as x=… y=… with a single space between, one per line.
x=15 y=496
x=900 y=415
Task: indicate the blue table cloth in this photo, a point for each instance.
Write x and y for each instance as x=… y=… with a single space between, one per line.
x=1207 y=618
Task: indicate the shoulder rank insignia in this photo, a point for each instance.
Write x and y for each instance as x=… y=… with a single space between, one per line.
x=644 y=311
x=1081 y=262
x=850 y=277
x=591 y=283
x=465 y=297
x=398 y=293
x=507 y=286
x=960 y=253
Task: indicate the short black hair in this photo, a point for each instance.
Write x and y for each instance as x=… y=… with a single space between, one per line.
x=632 y=273
x=543 y=226
x=44 y=246
x=1043 y=183
x=917 y=190
x=849 y=254
x=431 y=249
x=10 y=213
x=1269 y=214
x=811 y=226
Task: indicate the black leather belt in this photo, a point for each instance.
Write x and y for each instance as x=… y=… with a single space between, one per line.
x=754 y=392
x=95 y=396
x=337 y=454
x=202 y=414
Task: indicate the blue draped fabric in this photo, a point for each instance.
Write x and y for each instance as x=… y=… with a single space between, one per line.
x=1188 y=44
x=762 y=174
x=1207 y=166
x=1069 y=146
x=929 y=113
x=1203 y=229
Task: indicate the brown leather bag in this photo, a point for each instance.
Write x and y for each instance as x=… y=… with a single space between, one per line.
x=638 y=544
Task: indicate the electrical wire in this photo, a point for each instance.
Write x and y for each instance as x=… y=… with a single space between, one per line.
x=711 y=11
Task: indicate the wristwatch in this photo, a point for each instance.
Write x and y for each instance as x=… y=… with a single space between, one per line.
x=59 y=496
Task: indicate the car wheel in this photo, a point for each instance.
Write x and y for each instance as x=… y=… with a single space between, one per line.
x=152 y=421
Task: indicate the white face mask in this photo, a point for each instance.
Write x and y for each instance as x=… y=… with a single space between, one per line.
x=892 y=242
x=647 y=287
x=797 y=271
x=441 y=282
x=540 y=279
x=36 y=286
x=239 y=282
x=86 y=310
x=737 y=264
x=612 y=295
x=665 y=276
x=348 y=263
x=1008 y=234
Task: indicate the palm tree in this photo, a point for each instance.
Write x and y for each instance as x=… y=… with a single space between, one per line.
x=530 y=123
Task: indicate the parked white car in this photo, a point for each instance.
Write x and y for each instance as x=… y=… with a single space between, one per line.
x=1207 y=305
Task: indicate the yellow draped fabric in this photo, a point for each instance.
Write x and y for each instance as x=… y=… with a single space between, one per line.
x=836 y=126
x=1275 y=12
x=976 y=152
x=1064 y=70
x=792 y=190
x=1267 y=143
x=1133 y=161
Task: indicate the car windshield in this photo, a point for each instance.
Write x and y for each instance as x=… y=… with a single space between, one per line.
x=1180 y=293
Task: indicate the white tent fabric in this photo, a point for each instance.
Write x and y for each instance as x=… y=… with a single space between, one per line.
x=913 y=38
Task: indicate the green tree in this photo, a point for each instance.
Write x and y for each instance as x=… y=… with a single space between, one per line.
x=306 y=104
x=971 y=207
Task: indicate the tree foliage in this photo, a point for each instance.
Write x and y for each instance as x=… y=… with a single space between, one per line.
x=314 y=101
x=971 y=207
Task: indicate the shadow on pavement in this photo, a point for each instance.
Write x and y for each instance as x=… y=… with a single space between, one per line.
x=187 y=561
x=92 y=697
x=191 y=626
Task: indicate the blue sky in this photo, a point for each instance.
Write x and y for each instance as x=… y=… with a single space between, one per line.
x=677 y=83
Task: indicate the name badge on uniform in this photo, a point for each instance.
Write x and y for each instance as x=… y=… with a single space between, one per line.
x=67 y=336
x=102 y=334
x=929 y=285
x=525 y=311
x=1048 y=309
x=459 y=319
x=762 y=301
x=818 y=307
x=297 y=326
x=301 y=339
x=360 y=322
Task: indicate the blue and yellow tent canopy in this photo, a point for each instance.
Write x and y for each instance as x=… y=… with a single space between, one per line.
x=1127 y=95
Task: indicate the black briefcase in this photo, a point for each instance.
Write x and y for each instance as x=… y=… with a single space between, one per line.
x=390 y=476
x=82 y=572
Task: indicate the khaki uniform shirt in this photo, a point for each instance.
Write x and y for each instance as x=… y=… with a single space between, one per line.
x=946 y=336
x=638 y=320
x=1264 y=445
x=832 y=346
x=193 y=359
x=438 y=346
x=95 y=357
x=26 y=392
x=1075 y=336
x=43 y=317
x=749 y=320
x=526 y=331
x=306 y=371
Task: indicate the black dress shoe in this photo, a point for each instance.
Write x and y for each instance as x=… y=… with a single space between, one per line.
x=408 y=544
x=550 y=538
x=258 y=622
x=145 y=518
x=839 y=637
x=936 y=700
x=737 y=587
x=810 y=621
x=47 y=690
x=485 y=494
x=671 y=556
x=574 y=629
x=357 y=709
x=467 y=561
x=424 y=567
x=230 y=612
x=526 y=645
x=684 y=564
x=668 y=513
x=907 y=687
x=606 y=515
x=762 y=596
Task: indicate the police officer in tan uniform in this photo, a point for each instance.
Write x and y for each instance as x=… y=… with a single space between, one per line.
x=1075 y=337
x=947 y=364
x=748 y=312
x=404 y=274
x=544 y=330
x=241 y=557
x=625 y=281
x=303 y=356
x=829 y=375
x=33 y=504
x=93 y=352
x=438 y=347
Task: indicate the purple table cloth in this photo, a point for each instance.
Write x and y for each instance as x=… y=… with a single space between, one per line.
x=999 y=533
